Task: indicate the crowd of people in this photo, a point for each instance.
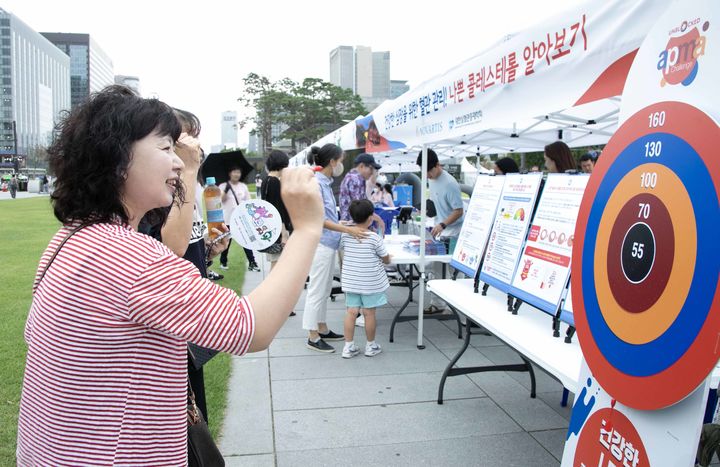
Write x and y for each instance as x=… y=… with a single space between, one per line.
x=117 y=345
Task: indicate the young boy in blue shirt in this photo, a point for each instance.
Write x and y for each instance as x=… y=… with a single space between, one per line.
x=364 y=279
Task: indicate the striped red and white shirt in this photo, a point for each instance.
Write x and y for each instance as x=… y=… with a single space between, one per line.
x=106 y=373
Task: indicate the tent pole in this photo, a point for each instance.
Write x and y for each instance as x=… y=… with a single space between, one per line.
x=423 y=215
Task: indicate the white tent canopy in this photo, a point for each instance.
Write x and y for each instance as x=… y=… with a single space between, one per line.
x=558 y=80
x=562 y=75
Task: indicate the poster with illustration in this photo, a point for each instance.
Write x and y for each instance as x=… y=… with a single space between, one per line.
x=368 y=136
x=478 y=222
x=544 y=266
x=255 y=224
x=509 y=229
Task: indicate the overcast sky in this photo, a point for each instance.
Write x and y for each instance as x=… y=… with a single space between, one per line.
x=193 y=55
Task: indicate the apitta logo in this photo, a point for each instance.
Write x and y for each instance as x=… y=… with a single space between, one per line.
x=679 y=61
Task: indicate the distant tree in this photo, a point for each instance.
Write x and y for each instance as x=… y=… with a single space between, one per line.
x=317 y=108
x=308 y=110
x=268 y=99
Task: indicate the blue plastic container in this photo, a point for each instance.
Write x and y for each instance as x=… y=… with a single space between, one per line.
x=388 y=216
x=403 y=195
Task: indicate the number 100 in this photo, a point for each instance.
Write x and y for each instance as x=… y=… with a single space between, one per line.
x=648 y=180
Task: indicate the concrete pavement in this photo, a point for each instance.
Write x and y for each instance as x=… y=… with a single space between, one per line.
x=291 y=406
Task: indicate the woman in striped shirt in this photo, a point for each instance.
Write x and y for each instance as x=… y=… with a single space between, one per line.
x=106 y=377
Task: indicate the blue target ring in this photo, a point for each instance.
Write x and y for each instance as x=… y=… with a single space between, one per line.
x=658 y=355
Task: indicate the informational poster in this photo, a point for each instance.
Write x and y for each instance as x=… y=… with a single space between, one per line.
x=478 y=223
x=509 y=229
x=544 y=266
x=604 y=432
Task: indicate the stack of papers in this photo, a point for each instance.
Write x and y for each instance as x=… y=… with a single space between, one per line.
x=432 y=247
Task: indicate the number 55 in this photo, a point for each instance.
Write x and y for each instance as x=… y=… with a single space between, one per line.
x=637 y=250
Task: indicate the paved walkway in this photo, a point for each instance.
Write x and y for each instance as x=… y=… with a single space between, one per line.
x=292 y=406
x=19 y=195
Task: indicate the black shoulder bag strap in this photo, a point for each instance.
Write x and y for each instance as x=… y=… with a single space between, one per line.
x=233 y=193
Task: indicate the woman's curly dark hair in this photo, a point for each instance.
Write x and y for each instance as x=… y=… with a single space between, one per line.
x=92 y=150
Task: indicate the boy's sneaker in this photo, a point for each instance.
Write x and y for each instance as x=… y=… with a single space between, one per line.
x=360 y=321
x=372 y=350
x=320 y=346
x=331 y=336
x=350 y=352
x=253 y=266
x=224 y=266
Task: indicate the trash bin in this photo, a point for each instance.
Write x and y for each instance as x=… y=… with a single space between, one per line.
x=32 y=186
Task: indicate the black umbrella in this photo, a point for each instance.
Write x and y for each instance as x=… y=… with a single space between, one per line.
x=218 y=164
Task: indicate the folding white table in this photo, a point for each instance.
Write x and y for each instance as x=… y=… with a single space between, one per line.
x=529 y=333
x=399 y=256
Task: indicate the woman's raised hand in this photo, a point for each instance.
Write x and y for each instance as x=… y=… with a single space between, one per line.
x=301 y=194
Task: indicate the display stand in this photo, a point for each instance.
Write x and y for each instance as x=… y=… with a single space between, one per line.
x=510 y=226
x=645 y=268
x=565 y=315
x=541 y=276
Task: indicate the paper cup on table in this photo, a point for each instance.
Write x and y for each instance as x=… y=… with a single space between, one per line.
x=255 y=224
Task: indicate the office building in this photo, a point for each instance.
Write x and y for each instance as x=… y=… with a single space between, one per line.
x=35 y=88
x=365 y=72
x=133 y=82
x=90 y=68
x=253 y=145
x=381 y=74
x=398 y=87
x=228 y=129
x=342 y=67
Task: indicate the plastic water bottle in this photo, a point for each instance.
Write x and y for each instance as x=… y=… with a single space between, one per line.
x=394 y=228
x=213 y=207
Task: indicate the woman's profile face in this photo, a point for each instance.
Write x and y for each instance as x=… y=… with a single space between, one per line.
x=550 y=165
x=152 y=175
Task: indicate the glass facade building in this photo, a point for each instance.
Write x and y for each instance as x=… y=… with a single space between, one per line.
x=342 y=67
x=34 y=87
x=398 y=87
x=366 y=72
x=90 y=67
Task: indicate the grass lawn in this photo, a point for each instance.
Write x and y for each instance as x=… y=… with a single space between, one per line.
x=27 y=226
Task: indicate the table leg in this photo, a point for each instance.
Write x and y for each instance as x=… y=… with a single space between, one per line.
x=409 y=282
x=452 y=363
x=564 y=400
x=450 y=371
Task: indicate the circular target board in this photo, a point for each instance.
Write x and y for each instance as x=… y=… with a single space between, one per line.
x=646 y=263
